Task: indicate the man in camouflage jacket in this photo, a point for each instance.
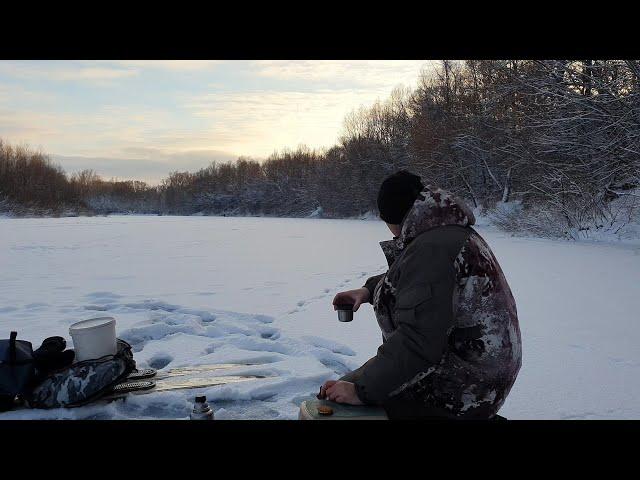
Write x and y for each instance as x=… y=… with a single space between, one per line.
x=451 y=340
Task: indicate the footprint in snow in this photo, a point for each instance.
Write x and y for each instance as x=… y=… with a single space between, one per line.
x=159 y=361
x=98 y=308
x=103 y=295
x=36 y=306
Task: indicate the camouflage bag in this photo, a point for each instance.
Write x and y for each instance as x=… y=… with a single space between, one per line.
x=84 y=382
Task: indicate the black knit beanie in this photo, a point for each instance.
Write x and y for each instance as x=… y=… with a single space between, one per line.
x=397 y=194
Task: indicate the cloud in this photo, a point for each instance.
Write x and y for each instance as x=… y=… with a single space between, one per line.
x=22 y=126
x=170 y=65
x=95 y=73
x=91 y=74
x=179 y=158
x=19 y=94
x=102 y=73
x=356 y=72
x=148 y=164
x=259 y=122
x=108 y=131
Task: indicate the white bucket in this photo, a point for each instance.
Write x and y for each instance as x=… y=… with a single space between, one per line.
x=94 y=338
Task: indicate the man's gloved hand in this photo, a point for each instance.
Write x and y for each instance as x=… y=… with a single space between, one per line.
x=51 y=344
x=51 y=355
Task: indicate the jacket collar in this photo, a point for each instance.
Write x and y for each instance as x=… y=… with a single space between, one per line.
x=391 y=249
x=434 y=207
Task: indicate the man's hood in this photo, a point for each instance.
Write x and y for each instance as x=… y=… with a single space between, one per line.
x=434 y=207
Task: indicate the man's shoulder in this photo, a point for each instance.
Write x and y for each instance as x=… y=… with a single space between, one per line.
x=446 y=238
x=432 y=253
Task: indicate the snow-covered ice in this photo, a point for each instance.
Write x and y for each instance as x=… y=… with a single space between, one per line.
x=198 y=290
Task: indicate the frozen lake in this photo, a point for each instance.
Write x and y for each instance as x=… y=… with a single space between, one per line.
x=192 y=290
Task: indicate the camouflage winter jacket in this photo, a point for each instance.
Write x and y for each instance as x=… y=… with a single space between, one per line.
x=449 y=323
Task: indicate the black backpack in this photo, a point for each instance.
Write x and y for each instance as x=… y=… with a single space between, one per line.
x=17 y=370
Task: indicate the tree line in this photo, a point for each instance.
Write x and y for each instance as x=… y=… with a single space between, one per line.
x=550 y=147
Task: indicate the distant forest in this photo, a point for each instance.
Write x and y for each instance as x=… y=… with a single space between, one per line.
x=546 y=147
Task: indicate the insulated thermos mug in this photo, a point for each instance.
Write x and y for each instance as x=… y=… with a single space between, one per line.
x=345 y=312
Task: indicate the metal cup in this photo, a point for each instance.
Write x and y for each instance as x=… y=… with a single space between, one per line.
x=345 y=312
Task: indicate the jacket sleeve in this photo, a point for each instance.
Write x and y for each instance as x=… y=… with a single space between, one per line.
x=355 y=374
x=423 y=317
x=371 y=283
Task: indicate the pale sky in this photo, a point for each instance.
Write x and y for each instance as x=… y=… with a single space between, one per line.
x=143 y=119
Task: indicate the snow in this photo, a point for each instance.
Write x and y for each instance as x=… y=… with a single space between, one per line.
x=198 y=290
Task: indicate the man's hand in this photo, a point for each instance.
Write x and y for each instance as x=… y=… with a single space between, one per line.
x=357 y=297
x=340 y=392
